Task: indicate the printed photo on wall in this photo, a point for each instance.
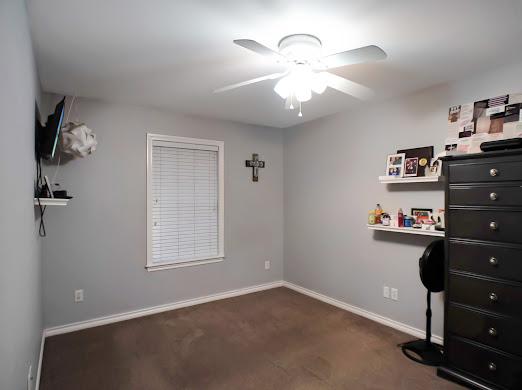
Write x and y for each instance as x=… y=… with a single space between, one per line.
x=395 y=165
x=471 y=124
x=488 y=115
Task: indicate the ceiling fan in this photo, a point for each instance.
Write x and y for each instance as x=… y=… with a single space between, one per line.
x=307 y=68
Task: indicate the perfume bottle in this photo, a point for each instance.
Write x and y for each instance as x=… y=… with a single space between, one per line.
x=400 y=218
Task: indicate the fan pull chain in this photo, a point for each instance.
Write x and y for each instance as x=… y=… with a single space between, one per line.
x=292 y=102
x=300 y=112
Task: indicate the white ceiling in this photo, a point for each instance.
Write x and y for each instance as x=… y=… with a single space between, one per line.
x=172 y=54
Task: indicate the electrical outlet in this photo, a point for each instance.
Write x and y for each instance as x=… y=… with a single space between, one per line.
x=386 y=292
x=30 y=378
x=267 y=264
x=78 y=296
x=395 y=294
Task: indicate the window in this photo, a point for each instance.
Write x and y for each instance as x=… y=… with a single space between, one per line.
x=185 y=204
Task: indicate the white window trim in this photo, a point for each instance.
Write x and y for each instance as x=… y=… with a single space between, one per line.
x=151 y=137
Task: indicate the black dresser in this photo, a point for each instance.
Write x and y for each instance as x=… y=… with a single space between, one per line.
x=483 y=286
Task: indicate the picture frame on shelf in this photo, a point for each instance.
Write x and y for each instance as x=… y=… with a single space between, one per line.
x=49 y=187
x=411 y=167
x=395 y=165
x=424 y=154
x=435 y=168
x=421 y=214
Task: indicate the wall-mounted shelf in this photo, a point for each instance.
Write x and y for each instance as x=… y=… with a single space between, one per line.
x=421 y=232
x=51 y=201
x=414 y=179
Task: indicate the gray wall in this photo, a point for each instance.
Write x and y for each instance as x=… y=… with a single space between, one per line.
x=327 y=245
x=20 y=302
x=98 y=242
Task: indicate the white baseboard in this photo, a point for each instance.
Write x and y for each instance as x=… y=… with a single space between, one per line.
x=40 y=357
x=419 y=333
x=157 y=309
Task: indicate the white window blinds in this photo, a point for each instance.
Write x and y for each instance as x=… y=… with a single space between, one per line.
x=184 y=196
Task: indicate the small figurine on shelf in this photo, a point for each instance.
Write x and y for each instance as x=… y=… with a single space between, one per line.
x=400 y=218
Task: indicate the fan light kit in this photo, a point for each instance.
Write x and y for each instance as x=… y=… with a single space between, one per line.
x=307 y=68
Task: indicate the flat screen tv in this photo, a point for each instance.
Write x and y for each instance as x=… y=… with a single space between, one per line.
x=47 y=136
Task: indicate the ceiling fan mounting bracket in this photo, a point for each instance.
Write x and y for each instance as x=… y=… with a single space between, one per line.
x=300 y=47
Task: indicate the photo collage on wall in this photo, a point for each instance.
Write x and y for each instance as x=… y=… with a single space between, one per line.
x=492 y=119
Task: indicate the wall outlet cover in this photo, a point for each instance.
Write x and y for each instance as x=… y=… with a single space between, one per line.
x=30 y=377
x=395 y=294
x=386 y=292
x=78 y=296
x=267 y=264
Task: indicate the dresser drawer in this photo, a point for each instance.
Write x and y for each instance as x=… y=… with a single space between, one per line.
x=490 y=195
x=498 y=332
x=504 y=370
x=491 y=225
x=485 y=171
x=488 y=260
x=497 y=297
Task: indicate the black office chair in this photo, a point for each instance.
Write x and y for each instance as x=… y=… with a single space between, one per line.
x=431 y=269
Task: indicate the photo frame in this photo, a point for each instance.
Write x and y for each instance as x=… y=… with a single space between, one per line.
x=435 y=168
x=395 y=165
x=411 y=166
x=48 y=187
x=422 y=214
x=424 y=154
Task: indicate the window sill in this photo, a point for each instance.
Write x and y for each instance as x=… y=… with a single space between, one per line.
x=160 y=267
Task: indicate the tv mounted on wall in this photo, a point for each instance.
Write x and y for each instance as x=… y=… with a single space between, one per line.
x=47 y=136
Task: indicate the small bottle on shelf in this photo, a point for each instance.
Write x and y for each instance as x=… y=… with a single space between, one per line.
x=378 y=213
x=400 y=218
x=371 y=217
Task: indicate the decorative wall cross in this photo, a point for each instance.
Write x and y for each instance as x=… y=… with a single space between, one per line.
x=255 y=164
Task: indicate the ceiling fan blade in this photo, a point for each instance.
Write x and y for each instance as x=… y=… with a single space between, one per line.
x=272 y=76
x=258 y=48
x=347 y=86
x=356 y=56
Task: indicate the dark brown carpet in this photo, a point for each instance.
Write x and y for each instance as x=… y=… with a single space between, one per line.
x=275 y=339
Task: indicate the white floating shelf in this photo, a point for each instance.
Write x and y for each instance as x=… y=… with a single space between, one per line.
x=407 y=230
x=414 y=179
x=51 y=201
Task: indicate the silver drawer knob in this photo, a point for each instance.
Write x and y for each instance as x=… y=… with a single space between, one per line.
x=492 y=366
x=493 y=261
x=493 y=297
x=493 y=225
x=493 y=196
x=493 y=172
x=492 y=332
